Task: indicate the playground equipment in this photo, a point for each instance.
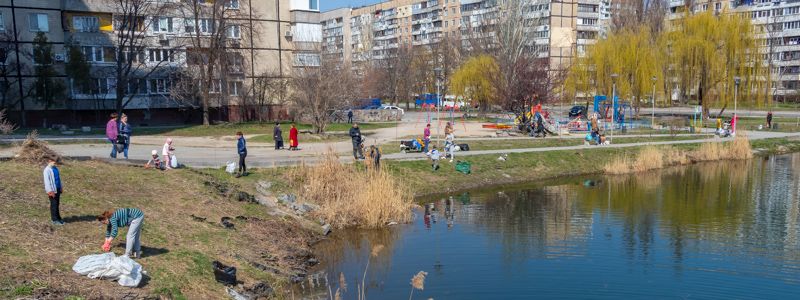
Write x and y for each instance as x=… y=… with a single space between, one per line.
x=619 y=109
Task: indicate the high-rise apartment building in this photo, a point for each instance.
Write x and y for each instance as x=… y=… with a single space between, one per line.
x=557 y=30
x=306 y=33
x=255 y=44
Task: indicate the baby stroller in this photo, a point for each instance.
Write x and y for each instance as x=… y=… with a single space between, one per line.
x=411 y=146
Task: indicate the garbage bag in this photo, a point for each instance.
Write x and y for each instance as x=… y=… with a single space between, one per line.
x=109 y=266
x=230 y=167
x=464 y=167
x=173 y=162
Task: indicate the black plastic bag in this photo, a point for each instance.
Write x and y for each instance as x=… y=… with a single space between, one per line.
x=224 y=274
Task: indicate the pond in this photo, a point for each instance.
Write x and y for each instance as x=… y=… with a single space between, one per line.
x=716 y=230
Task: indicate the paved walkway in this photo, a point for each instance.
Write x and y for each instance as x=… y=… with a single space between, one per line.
x=265 y=156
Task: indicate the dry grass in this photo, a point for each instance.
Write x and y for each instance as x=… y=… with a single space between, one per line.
x=348 y=196
x=650 y=158
x=34 y=150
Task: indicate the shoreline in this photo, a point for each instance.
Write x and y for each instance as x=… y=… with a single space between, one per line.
x=438 y=183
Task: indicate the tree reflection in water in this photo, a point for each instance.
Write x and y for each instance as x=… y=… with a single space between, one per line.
x=745 y=211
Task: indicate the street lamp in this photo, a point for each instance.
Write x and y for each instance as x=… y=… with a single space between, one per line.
x=438 y=73
x=613 y=102
x=653 y=124
x=736 y=81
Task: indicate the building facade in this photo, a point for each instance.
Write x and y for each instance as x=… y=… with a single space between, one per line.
x=174 y=39
x=556 y=30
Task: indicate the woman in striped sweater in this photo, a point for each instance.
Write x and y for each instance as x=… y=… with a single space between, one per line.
x=122 y=217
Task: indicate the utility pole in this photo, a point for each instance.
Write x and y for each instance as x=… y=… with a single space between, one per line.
x=613 y=102
x=653 y=124
x=736 y=81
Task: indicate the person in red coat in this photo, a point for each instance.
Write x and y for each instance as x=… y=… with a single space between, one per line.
x=293 y=138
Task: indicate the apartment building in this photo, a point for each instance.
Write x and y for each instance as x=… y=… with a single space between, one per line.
x=255 y=46
x=336 y=34
x=778 y=31
x=306 y=33
x=557 y=30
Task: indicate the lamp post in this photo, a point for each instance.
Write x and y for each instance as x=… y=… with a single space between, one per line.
x=653 y=124
x=736 y=81
x=613 y=102
x=438 y=73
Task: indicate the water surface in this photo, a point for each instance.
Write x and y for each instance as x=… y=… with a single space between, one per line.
x=719 y=230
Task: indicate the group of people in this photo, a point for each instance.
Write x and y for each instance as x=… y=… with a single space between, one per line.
x=118 y=132
x=449 y=145
x=113 y=220
x=277 y=135
x=594 y=135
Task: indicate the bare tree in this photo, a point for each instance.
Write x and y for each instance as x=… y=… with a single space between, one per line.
x=318 y=91
x=524 y=76
x=8 y=69
x=132 y=19
x=268 y=89
x=214 y=36
x=6 y=127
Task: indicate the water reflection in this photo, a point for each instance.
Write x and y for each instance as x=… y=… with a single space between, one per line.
x=707 y=230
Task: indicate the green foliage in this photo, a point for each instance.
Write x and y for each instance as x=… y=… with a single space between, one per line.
x=473 y=79
x=47 y=88
x=699 y=56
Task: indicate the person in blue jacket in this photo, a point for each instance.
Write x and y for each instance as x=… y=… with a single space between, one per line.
x=241 y=146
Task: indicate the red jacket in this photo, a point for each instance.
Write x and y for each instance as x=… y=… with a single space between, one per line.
x=293 y=137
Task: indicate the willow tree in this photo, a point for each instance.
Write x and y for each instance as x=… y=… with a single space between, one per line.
x=707 y=52
x=631 y=54
x=473 y=80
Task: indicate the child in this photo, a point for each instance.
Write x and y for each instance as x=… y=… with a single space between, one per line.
x=154 y=162
x=52 y=186
x=434 y=155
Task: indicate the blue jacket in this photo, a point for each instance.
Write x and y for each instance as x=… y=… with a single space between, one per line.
x=52 y=179
x=241 y=145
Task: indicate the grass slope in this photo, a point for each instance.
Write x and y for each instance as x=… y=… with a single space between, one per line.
x=36 y=257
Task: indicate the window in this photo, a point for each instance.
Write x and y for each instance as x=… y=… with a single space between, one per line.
x=232 y=4
x=99 y=86
x=134 y=55
x=2 y=22
x=216 y=86
x=791 y=25
x=792 y=10
x=312 y=4
x=162 y=24
x=235 y=88
x=136 y=86
x=92 y=53
x=38 y=22
x=123 y=23
x=161 y=55
x=234 y=32
x=160 y=86
x=587 y=21
x=206 y=25
x=85 y=24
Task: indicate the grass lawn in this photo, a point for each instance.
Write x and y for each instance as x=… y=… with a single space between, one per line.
x=476 y=145
x=178 y=250
x=215 y=130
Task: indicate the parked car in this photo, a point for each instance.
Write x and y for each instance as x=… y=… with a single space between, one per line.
x=577 y=111
x=402 y=112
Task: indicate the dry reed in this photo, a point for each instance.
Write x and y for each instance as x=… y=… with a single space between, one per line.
x=348 y=196
x=417 y=282
x=651 y=158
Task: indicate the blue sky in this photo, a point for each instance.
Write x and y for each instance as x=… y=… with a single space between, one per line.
x=326 y=5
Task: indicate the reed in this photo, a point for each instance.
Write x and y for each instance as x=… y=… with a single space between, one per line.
x=352 y=197
x=650 y=158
